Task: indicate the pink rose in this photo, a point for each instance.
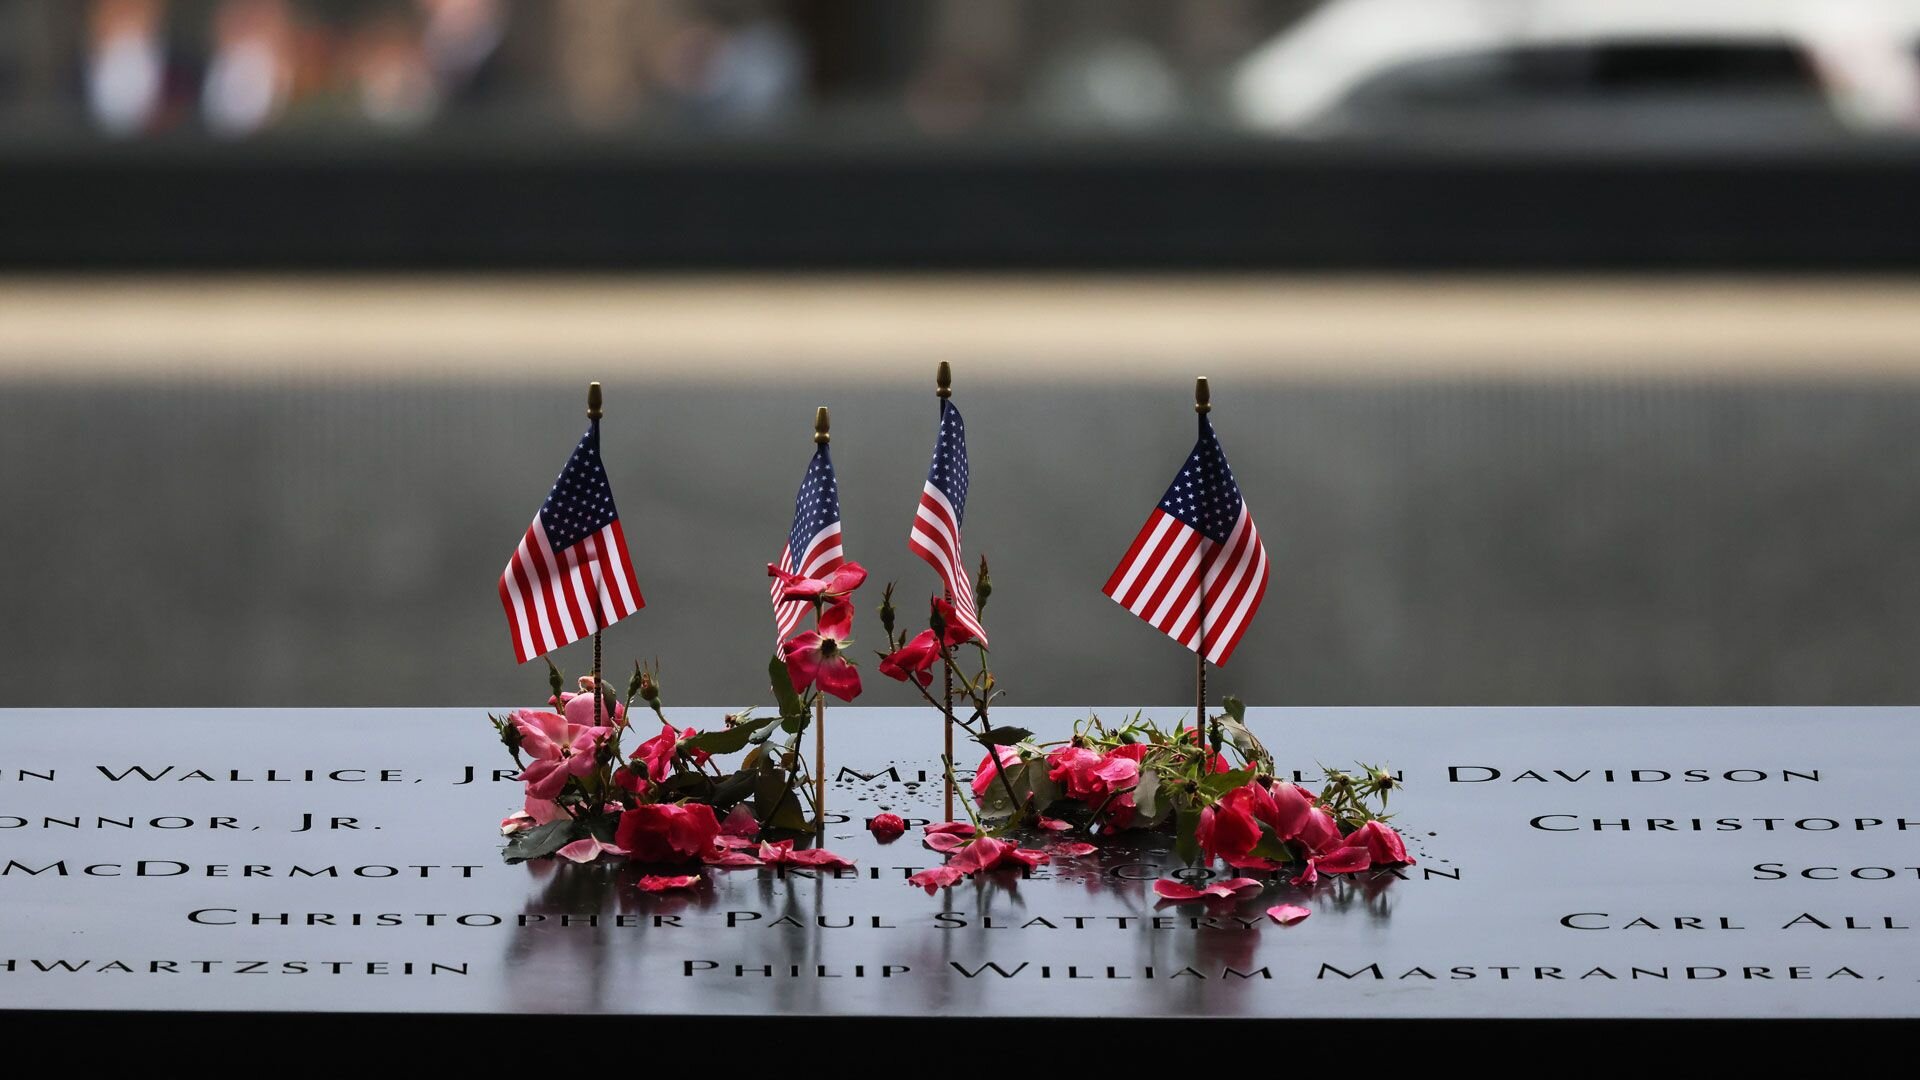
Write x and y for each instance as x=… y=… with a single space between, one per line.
x=667 y=832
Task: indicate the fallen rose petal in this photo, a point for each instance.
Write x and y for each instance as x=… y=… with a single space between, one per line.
x=1176 y=890
x=659 y=883
x=581 y=851
x=1075 y=849
x=1028 y=856
x=1240 y=886
x=739 y=823
x=732 y=860
x=935 y=879
x=1221 y=890
x=1054 y=824
x=984 y=853
x=946 y=842
x=886 y=827
x=1288 y=914
x=957 y=828
x=819 y=857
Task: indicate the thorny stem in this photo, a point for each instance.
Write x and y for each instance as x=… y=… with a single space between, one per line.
x=947 y=762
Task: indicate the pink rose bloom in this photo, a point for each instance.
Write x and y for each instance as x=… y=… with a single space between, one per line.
x=667 y=832
x=840 y=583
x=1384 y=846
x=984 y=775
x=558 y=749
x=1227 y=829
x=1346 y=860
x=821 y=655
x=887 y=827
x=1320 y=832
x=579 y=707
x=914 y=660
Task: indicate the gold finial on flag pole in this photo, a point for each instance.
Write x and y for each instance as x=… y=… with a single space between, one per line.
x=943 y=380
x=593 y=414
x=821 y=425
x=1202 y=397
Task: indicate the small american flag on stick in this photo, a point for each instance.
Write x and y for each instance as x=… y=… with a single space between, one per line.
x=813 y=543
x=1197 y=571
x=935 y=536
x=571 y=575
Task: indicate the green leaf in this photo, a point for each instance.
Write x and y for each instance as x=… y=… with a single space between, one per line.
x=783 y=691
x=728 y=740
x=1214 y=785
x=731 y=789
x=685 y=785
x=540 y=840
x=1186 y=820
x=1146 y=797
x=1003 y=736
x=1235 y=708
x=1031 y=787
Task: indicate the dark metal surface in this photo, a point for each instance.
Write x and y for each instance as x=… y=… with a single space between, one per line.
x=1477 y=929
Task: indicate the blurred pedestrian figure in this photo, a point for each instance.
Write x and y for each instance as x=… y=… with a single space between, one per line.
x=126 y=65
x=250 y=71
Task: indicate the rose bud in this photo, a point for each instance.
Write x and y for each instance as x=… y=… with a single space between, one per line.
x=886 y=827
x=983 y=587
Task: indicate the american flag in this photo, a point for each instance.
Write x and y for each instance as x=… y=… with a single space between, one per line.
x=943 y=503
x=570 y=575
x=1202 y=531
x=813 y=544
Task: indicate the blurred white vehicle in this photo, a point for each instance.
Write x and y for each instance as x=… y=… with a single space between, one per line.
x=1675 y=70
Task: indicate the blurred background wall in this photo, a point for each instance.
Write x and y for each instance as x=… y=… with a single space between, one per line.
x=1565 y=351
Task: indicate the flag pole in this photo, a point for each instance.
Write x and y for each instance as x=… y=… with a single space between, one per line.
x=821 y=426
x=1202 y=404
x=593 y=415
x=943 y=389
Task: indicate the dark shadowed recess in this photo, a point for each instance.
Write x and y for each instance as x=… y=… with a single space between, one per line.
x=1212 y=204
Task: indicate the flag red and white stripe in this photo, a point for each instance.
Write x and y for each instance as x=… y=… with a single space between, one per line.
x=571 y=574
x=555 y=598
x=1159 y=580
x=935 y=535
x=822 y=557
x=936 y=538
x=1197 y=571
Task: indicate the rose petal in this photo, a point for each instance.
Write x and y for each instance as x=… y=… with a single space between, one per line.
x=659 y=883
x=935 y=879
x=820 y=857
x=1240 y=886
x=1288 y=914
x=1075 y=850
x=581 y=851
x=958 y=828
x=1028 y=856
x=1054 y=824
x=1176 y=890
x=946 y=843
